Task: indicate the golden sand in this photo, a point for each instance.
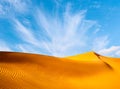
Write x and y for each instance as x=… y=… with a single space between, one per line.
x=84 y=71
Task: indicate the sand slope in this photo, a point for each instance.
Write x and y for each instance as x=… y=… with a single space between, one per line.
x=84 y=71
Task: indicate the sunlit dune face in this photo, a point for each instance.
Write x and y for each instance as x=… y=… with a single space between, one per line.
x=84 y=71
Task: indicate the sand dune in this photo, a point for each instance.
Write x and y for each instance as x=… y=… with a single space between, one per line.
x=84 y=71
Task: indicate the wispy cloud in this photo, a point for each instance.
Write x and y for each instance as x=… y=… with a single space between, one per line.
x=18 y=5
x=66 y=34
x=100 y=43
x=10 y=8
x=4 y=46
x=24 y=33
x=2 y=12
x=95 y=4
x=56 y=35
x=28 y=37
x=111 y=51
x=27 y=48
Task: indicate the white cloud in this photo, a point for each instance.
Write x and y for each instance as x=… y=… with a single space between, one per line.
x=95 y=4
x=4 y=46
x=98 y=28
x=26 y=48
x=2 y=12
x=61 y=36
x=57 y=2
x=118 y=53
x=29 y=48
x=25 y=33
x=100 y=43
x=9 y=8
x=65 y=34
x=112 y=51
x=19 y=5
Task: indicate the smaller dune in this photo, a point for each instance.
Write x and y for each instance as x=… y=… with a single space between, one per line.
x=83 y=71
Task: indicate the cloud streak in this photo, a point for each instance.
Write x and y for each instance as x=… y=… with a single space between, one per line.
x=10 y=8
x=56 y=35
x=111 y=51
x=4 y=46
x=100 y=43
x=66 y=35
x=25 y=33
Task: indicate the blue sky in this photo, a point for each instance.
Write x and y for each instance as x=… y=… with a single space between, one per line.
x=60 y=27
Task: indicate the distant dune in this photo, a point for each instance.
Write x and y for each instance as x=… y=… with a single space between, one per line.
x=85 y=71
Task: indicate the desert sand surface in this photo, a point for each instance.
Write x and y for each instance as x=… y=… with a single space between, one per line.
x=84 y=71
